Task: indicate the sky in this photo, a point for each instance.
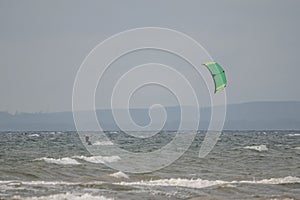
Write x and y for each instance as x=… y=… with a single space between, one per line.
x=43 y=43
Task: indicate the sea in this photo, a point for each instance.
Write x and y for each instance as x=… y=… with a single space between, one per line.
x=243 y=165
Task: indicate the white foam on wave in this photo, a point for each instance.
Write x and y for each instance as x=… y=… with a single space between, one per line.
x=275 y=181
x=114 y=132
x=200 y=183
x=60 y=161
x=178 y=182
x=259 y=148
x=297 y=148
x=17 y=183
x=294 y=134
x=66 y=196
x=34 y=135
x=99 y=159
x=103 y=143
x=119 y=175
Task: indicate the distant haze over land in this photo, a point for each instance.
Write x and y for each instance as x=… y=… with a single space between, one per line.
x=244 y=116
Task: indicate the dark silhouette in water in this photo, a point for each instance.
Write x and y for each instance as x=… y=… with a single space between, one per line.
x=87 y=140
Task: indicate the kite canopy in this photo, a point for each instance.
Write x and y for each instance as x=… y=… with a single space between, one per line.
x=218 y=75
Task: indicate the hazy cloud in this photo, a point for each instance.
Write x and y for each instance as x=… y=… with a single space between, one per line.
x=43 y=43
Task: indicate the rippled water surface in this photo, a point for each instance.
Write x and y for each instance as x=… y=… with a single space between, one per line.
x=243 y=165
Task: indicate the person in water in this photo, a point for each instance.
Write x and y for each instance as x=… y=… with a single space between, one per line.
x=87 y=140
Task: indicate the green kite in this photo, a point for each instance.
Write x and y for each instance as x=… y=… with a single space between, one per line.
x=218 y=75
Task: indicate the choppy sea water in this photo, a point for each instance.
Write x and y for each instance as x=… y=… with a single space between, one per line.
x=243 y=165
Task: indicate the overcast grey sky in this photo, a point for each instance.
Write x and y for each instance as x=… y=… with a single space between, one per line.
x=43 y=43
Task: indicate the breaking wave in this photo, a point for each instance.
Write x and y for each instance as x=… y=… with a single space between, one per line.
x=60 y=161
x=119 y=175
x=200 y=183
x=65 y=196
x=103 y=143
x=259 y=148
x=294 y=134
x=99 y=159
x=34 y=135
x=73 y=161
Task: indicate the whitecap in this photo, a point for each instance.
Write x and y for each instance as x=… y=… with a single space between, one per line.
x=66 y=196
x=294 y=134
x=259 y=148
x=200 y=183
x=176 y=182
x=99 y=159
x=275 y=181
x=17 y=183
x=46 y=183
x=34 y=135
x=60 y=161
x=114 y=132
x=119 y=175
x=103 y=143
x=297 y=148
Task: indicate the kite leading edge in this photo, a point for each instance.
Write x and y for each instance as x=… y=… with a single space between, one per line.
x=218 y=75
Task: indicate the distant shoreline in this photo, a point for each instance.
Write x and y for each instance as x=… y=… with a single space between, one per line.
x=241 y=116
